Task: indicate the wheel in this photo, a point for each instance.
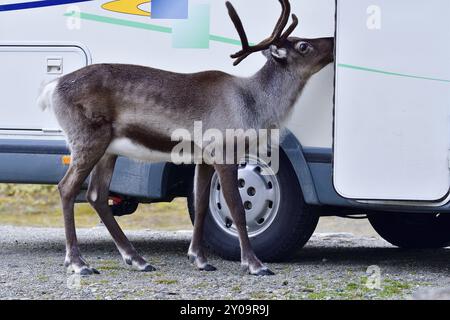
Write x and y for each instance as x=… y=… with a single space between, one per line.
x=413 y=230
x=278 y=220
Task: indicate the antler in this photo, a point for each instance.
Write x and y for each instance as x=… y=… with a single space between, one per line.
x=277 y=37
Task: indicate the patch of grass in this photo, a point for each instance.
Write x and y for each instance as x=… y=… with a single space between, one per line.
x=393 y=288
x=43 y=278
x=309 y=286
x=154 y=274
x=39 y=206
x=320 y=295
x=389 y=289
x=236 y=289
x=166 y=281
x=109 y=268
x=201 y=285
x=352 y=286
x=355 y=289
x=108 y=265
x=259 y=295
x=108 y=262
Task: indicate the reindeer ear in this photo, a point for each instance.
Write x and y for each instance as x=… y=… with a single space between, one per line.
x=278 y=53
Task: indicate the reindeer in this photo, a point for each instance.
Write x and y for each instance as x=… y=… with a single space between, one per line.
x=111 y=110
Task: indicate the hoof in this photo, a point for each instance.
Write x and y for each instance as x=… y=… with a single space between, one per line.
x=264 y=272
x=129 y=262
x=139 y=264
x=148 y=268
x=88 y=271
x=201 y=266
x=191 y=258
x=208 y=267
x=95 y=271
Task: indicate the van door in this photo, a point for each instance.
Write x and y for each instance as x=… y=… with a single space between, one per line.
x=23 y=70
x=392 y=100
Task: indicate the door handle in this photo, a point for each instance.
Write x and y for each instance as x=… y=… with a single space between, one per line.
x=54 y=65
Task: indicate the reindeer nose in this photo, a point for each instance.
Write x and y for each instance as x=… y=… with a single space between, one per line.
x=330 y=45
x=330 y=42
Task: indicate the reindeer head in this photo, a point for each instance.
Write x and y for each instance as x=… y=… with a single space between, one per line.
x=305 y=56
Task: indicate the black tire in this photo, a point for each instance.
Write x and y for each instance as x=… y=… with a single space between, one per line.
x=293 y=226
x=413 y=230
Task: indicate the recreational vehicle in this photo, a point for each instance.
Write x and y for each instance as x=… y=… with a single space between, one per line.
x=369 y=137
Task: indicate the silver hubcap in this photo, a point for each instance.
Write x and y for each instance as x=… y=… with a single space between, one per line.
x=260 y=195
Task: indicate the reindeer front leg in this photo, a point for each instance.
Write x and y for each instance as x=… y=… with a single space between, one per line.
x=228 y=175
x=202 y=184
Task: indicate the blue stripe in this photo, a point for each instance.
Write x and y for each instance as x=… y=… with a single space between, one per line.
x=36 y=4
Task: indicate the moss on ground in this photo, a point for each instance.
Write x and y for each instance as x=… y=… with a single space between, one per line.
x=357 y=289
x=166 y=281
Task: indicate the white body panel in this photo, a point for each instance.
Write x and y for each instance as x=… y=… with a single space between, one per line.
x=109 y=42
x=24 y=70
x=392 y=128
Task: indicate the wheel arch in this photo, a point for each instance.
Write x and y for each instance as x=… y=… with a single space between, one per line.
x=294 y=152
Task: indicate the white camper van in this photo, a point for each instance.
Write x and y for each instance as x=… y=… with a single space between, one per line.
x=370 y=136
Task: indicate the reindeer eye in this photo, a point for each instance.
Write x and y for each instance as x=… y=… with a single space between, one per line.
x=303 y=47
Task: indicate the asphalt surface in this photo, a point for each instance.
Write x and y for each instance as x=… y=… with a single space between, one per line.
x=331 y=266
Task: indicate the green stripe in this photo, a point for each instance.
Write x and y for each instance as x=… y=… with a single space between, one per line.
x=213 y=37
x=146 y=26
x=348 y=66
x=121 y=22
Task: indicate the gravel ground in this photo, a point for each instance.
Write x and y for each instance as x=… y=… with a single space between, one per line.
x=331 y=266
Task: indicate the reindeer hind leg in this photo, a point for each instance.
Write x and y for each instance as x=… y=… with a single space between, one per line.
x=98 y=193
x=84 y=158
